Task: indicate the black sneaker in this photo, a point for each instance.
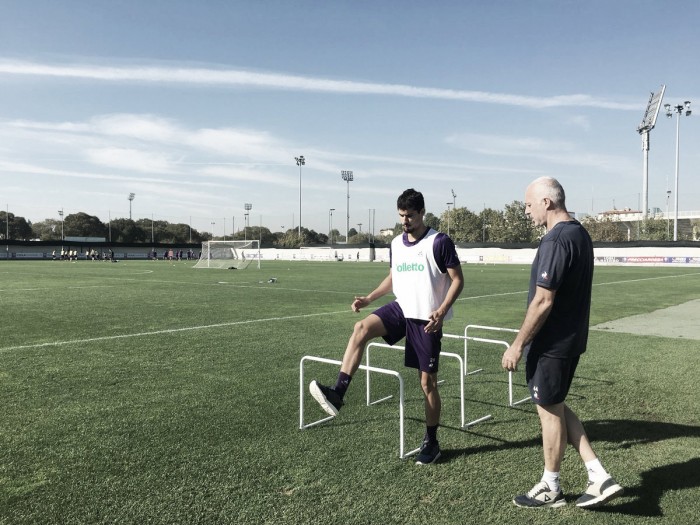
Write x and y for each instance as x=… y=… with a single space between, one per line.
x=540 y=496
x=599 y=493
x=428 y=453
x=328 y=398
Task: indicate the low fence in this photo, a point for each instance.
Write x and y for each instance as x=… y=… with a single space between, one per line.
x=620 y=255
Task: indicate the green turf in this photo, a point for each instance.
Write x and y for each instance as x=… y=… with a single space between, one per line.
x=149 y=392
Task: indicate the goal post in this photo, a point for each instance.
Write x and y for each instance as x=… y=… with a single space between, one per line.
x=232 y=255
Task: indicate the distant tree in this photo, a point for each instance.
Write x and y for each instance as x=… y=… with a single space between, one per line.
x=359 y=238
x=655 y=230
x=335 y=236
x=264 y=235
x=47 y=230
x=492 y=225
x=83 y=225
x=18 y=228
x=352 y=232
x=291 y=239
x=605 y=230
x=465 y=225
x=126 y=230
x=432 y=221
x=517 y=227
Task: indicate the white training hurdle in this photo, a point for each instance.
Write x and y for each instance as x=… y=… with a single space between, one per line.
x=467 y=338
x=463 y=372
x=394 y=373
x=442 y=354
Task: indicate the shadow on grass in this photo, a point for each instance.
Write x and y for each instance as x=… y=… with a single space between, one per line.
x=646 y=496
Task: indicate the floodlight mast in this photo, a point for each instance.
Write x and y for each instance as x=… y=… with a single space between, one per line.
x=347 y=176
x=648 y=123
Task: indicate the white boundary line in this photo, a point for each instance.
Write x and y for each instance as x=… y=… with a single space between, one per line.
x=284 y=318
x=168 y=331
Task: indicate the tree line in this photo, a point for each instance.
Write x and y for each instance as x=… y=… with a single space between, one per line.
x=509 y=225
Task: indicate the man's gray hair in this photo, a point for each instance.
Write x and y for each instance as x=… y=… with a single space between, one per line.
x=550 y=188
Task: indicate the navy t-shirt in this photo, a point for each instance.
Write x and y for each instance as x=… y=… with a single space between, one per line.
x=564 y=262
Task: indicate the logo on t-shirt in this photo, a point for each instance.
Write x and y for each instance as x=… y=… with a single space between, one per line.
x=545 y=276
x=410 y=267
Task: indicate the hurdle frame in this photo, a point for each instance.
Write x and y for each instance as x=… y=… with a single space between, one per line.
x=442 y=354
x=506 y=344
x=394 y=373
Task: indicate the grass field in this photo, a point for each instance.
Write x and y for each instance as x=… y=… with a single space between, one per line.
x=149 y=392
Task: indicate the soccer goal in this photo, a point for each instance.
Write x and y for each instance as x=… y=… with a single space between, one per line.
x=232 y=255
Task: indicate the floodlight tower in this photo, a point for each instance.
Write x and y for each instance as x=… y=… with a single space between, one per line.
x=131 y=199
x=60 y=213
x=300 y=162
x=448 y=218
x=679 y=109
x=247 y=207
x=454 y=206
x=347 y=177
x=330 y=224
x=648 y=123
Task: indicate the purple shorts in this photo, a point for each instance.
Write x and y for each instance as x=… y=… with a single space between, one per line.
x=422 y=349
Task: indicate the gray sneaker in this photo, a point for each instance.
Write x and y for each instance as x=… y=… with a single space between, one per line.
x=599 y=493
x=540 y=496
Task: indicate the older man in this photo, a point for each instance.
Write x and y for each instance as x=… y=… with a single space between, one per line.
x=553 y=335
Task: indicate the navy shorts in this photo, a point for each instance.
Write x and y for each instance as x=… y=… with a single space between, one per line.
x=549 y=378
x=422 y=349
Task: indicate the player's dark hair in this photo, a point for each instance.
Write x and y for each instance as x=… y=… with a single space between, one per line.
x=410 y=200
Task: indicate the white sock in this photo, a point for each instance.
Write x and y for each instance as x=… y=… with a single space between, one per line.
x=552 y=479
x=595 y=469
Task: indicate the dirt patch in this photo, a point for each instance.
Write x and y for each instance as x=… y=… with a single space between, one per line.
x=676 y=321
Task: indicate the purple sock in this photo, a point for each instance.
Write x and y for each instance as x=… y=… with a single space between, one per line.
x=431 y=433
x=341 y=385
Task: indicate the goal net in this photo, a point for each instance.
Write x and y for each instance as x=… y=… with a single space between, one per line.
x=233 y=255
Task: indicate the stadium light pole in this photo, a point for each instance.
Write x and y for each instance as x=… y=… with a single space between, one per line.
x=330 y=224
x=246 y=217
x=648 y=123
x=679 y=110
x=347 y=177
x=448 y=218
x=152 y=229
x=212 y=230
x=131 y=199
x=300 y=162
x=60 y=213
x=668 y=219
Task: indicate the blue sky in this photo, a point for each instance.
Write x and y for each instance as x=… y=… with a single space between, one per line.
x=201 y=107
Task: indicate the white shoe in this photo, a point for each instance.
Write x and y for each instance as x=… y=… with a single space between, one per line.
x=599 y=492
x=540 y=496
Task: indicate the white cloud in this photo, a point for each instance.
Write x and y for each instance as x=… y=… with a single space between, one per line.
x=554 y=152
x=241 y=78
x=130 y=159
x=141 y=127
